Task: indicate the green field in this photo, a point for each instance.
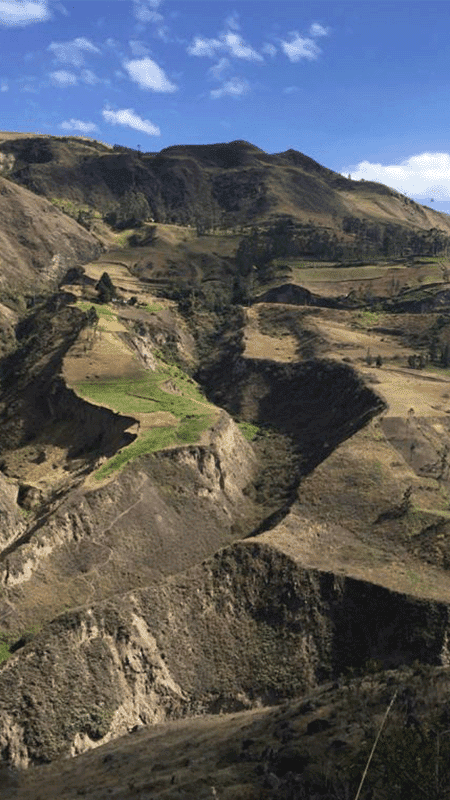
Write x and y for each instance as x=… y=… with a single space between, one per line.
x=167 y=389
x=187 y=432
x=101 y=310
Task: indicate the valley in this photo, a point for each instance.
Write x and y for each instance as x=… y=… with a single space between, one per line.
x=224 y=478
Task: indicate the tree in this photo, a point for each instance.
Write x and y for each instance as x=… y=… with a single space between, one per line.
x=105 y=288
x=85 y=218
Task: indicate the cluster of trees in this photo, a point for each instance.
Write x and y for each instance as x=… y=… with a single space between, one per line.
x=388 y=239
x=438 y=354
x=131 y=211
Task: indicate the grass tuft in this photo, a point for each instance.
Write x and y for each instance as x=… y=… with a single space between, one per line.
x=248 y=430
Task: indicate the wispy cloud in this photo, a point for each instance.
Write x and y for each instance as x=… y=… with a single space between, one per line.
x=148 y=75
x=229 y=42
x=290 y=89
x=62 y=9
x=72 y=52
x=423 y=175
x=27 y=83
x=204 y=47
x=301 y=47
x=237 y=47
x=63 y=78
x=138 y=48
x=317 y=29
x=128 y=118
x=270 y=49
x=232 y=21
x=235 y=87
x=4 y=86
x=146 y=11
x=218 y=69
x=13 y=13
x=78 y=125
x=89 y=77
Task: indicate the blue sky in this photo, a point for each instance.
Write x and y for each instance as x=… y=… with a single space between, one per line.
x=362 y=87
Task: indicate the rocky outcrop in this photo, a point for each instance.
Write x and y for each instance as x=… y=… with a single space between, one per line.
x=12 y=522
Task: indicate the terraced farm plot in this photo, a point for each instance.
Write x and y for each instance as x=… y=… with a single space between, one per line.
x=168 y=407
x=167 y=404
x=386 y=279
x=330 y=273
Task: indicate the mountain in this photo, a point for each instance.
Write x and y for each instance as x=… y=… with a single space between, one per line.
x=224 y=184
x=224 y=477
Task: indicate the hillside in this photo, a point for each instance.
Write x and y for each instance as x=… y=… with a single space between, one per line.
x=222 y=185
x=224 y=478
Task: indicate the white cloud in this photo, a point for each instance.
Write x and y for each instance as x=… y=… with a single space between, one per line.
x=239 y=49
x=63 y=78
x=78 y=125
x=424 y=175
x=72 y=52
x=230 y=42
x=145 y=10
x=318 y=30
x=127 y=117
x=217 y=70
x=204 y=47
x=148 y=75
x=4 y=86
x=14 y=13
x=300 y=47
x=235 y=87
x=270 y=49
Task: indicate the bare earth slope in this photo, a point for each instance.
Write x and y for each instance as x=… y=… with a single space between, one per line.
x=37 y=241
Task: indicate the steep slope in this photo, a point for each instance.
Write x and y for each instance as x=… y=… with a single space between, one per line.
x=37 y=241
x=38 y=244
x=248 y=626
x=316 y=746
